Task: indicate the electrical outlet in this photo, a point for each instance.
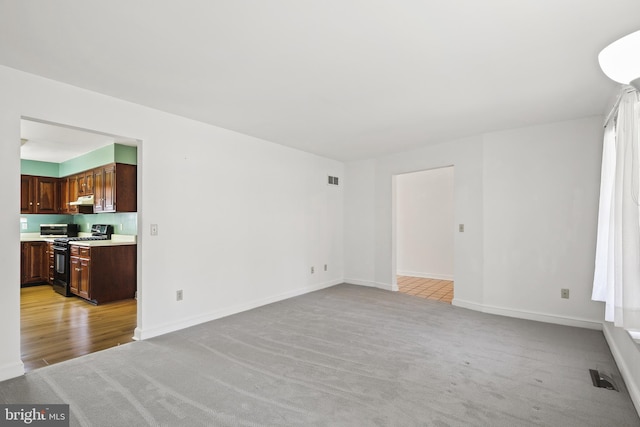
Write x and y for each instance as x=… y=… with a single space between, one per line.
x=179 y=295
x=564 y=293
x=325 y=267
x=154 y=229
x=313 y=270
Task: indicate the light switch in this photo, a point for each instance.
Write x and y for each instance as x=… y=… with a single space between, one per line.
x=154 y=229
x=461 y=228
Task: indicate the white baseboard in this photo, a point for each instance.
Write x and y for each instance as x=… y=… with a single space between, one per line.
x=425 y=275
x=379 y=285
x=142 y=334
x=529 y=315
x=11 y=370
x=632 y=386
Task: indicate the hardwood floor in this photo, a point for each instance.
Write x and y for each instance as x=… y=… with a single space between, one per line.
x=55 y=328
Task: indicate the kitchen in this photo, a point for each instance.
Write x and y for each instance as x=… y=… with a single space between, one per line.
x=78 y=229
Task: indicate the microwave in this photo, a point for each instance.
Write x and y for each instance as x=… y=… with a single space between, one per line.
x=58 y=230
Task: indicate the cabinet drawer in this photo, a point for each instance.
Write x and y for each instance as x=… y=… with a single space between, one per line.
x=80 y=251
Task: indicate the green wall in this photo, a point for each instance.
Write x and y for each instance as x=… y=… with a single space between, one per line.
x=117 y=153
x=126 y=154
x=93 y=159
x=34 y=221
x=129 y=221
x=33 y=167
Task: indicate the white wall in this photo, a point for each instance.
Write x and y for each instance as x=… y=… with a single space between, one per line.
x=372 y=183
x=424 y=224
x=359 y=248
x=528 y=198
x=241 y=220
x=541 y=187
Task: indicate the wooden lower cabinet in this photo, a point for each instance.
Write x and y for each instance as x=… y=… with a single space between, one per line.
x=102 y=274
x=50 y=259
x=34 y=264
x=79 y=272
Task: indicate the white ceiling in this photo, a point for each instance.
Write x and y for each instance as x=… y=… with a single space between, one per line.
x=347 y=79
x=52 y=143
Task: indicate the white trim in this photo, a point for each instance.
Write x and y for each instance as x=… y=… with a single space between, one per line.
x=635 y=336
x=426 y=275
x=529 y=315
x=360 y=282
x=629 y=381
x=11 y=370
x=142 y=334
x=385 y=286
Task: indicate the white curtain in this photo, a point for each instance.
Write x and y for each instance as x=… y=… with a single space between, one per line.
x=617 y=269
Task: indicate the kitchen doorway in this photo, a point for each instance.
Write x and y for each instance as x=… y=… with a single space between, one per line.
x=55 y=327
x=424 y=203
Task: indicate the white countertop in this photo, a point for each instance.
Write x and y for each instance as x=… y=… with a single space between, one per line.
x=111 y=242
x=34 y=237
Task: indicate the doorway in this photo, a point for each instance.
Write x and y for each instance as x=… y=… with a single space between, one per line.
x=56 y=327
x=425 y=233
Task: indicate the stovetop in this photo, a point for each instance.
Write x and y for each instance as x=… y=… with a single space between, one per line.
x=79 y=239
x=99 y=232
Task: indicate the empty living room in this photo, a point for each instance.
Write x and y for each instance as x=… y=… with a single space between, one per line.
x=271 y=142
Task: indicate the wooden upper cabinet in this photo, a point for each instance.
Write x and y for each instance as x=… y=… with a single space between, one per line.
x=39 y=194
x=115 y=188
x=85 y=183
x=110 y=186
x=88 y=181
x=46 y=195
x=98 y=190
x=26 y=194
x=81 y=184
x=68 y=193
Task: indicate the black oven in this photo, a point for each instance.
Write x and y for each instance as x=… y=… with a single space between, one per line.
x=61 y=260
x=62 y=256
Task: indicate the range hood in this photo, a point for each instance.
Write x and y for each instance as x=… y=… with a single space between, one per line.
x=83 y=201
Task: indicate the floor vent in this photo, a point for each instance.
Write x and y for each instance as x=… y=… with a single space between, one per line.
x=602 y=380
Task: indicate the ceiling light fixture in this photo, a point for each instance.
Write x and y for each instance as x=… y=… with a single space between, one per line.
x=620 y=61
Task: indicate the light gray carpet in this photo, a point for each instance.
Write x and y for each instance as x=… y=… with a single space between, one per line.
x=343 y=356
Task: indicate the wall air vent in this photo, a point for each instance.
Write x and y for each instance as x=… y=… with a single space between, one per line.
x=333 y=180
